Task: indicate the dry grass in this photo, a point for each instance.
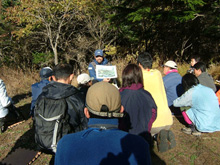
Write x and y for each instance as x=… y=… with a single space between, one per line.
x=17 y=82
x=214 y=70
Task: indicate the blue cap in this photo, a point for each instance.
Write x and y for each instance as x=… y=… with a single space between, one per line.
x=98 y=52
x=45 y=73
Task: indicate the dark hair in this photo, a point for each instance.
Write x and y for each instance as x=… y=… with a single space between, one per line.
x=62 y=71
x=131 y=74
x=84 y=85
x=145 y=60
x=197 y=58
x=201 y=66
x=189 y=80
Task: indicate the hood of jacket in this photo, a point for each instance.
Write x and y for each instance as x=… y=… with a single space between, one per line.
x=56 y=90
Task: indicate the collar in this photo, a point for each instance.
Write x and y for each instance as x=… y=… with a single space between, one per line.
x=103 y=123
x=171 y=71
x=132 y=87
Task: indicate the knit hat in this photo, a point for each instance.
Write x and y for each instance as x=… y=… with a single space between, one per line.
x=98 y=52
x=171 y=64
x=84 y=78
x=45 y=73
x=103 y=99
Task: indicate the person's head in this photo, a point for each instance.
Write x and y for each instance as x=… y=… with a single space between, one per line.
x=145 y=60
x=103 y=100
x=63 y=73
x=189 y=80
x=169 y=65
x=194 y=60
x=46 y=73
x=99 y=55
x=131 y=74
x=199 y=67
x=84 y=79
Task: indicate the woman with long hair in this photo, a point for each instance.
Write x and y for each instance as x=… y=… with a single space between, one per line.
x=139 y=105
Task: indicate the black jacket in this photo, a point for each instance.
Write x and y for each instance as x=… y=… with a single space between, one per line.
x=74 y=99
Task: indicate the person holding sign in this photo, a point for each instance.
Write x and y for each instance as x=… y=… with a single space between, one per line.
x=98 y=60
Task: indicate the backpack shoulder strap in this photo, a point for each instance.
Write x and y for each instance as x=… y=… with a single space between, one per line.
x=93 y=64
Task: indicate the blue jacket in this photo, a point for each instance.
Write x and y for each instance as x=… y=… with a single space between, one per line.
x=204 y=111
x=36 y=91
x=92 y=68
x=141 y=111
x=98 y=145
x=172 y=83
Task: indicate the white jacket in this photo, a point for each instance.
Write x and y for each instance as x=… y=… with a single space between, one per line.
x=4 y=100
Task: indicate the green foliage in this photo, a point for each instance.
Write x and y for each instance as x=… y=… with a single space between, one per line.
x=41 y=58
x=8 y=3
x=172 y=29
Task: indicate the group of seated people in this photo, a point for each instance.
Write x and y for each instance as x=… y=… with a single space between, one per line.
x=101 y=124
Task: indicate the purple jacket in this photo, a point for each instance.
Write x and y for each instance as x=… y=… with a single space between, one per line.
x=140 y=109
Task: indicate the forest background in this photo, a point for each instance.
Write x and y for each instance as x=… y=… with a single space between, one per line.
x=37 y=33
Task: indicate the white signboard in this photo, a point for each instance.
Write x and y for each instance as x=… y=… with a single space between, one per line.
x=103 y=71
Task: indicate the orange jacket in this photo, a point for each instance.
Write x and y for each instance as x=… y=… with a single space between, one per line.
x=218 y=95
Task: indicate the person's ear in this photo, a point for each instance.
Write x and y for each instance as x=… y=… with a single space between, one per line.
x=86 y=112
x=54 y=78
x=71 y=77
x=50 y=78
x=122 y=109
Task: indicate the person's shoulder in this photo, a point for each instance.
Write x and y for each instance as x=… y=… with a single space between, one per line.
x=2 y=85
x=92 y=65
x=1 y=82
x=155 y=72
x=76 y=94
x=40 y=84
x=105 y=62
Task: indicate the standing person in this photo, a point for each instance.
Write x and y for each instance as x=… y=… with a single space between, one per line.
x=172 y=83
x=8 y=112
x=58 y=109
x=102 y=142
x=98 y=60
x=204 y=78
x=204 y=113
x=36 y=89
x=140 y=108
x=153 y=83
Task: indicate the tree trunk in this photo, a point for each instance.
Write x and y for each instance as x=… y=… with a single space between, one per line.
x=55 y=56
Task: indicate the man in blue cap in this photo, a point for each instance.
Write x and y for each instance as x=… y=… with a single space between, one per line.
x=45 y=75
x=99 y=60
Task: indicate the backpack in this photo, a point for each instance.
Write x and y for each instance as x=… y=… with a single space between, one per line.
x=51 y=122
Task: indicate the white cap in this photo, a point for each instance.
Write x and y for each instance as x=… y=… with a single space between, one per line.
x=83 y=78
x=171 y=64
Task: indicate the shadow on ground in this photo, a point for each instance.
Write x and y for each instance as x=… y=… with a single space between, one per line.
x=20 y=97
x=25 y=110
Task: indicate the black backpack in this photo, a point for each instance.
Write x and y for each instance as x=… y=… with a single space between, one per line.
x=51 y=122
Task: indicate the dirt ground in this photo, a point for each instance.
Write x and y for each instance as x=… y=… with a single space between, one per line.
x=189 y=150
